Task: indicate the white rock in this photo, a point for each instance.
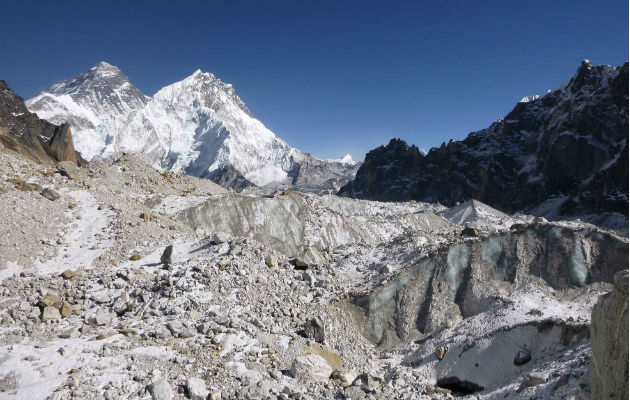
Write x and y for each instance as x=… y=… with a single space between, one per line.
x=311 y=368
x=197 y=389
x=161 y=390
x=251 y=377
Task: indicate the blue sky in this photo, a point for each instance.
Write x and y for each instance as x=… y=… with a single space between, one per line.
x=329 y=77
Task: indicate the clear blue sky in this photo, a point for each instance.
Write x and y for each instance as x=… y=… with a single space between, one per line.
x=329 y=77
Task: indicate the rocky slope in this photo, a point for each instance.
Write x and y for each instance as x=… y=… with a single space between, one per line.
x=198 y=126
x=564 y=153
x=131 y=283
x=26 y=134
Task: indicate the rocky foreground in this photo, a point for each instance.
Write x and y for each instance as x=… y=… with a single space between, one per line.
x=118 y=281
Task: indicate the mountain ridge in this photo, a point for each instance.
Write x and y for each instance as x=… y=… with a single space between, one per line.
x=198 y=126
x=558 y=154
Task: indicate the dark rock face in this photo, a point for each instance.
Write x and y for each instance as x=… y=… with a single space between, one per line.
x=562 y=154
x=26 y=134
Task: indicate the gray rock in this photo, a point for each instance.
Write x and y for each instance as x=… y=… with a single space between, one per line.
x=50 y=194
x=354 y=393
x=101 y=318
x=314 y=329
x=522 y=357
x=221 y=237
x=196 y=388
x=251 y=377
x=532 y=380
x=161 y=390
x=176 y=327
x=51 y=314
x=310 y=258
x=167 y=255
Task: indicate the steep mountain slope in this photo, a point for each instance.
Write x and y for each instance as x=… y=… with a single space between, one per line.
x=26 y=134
x=561 y=154
x=198 y=126
x=93 y=103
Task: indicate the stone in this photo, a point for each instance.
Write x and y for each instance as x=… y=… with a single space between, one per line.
x=354 y=393
x=176 y=327
x=310 y=368
x=470 y=231
x=66 y=309
x=368 y=383
x=69 y=170
x=609 y=338
x=51 y=314
x=135 y=257
x=220 y=237
x=440 y=352
x=311 y=257
x=51 y=300
x=531 y=380
x=522 y=357
x=335 y=362
x=196 y=388
x=344 y=376
x=215 y=395
x=518 y=227
x=161 y=390
x=50 y=194
x=106 y=335
x=22 y=185
x=101 y=317
x=167 y=254
x=251 y=377
x=314 y=329
x=68 y=274
x=270 y=261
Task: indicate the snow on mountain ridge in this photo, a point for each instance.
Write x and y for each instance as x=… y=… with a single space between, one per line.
x=198 y=126
x=92 y=103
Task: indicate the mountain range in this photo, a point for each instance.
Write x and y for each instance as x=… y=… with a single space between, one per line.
x=198 y=126
x=561 y=154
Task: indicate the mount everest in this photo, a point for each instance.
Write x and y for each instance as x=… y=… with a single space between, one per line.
x=198 y=126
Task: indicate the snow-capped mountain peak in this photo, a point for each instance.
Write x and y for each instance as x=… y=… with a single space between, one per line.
x=198 y=126
x=93 y=103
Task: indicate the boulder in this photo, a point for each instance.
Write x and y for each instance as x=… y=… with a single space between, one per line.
x=51 y=314
x=50 y=300
x=310 y=258
x=310 y=368
x=50 y=194
x=609 y=338
x=196 y=388
x=161 y=390
x=167 y=254
x=68 y=274
x=314 y=329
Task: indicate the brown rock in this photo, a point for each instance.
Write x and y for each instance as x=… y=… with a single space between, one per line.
x=50 y=300
x=67 y=274
x=332 y=359
x=106 y=335
x=135 y=257
x=66 y=309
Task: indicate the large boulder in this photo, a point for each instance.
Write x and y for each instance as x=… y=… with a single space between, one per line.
x=311 y=368
x=609 y=338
